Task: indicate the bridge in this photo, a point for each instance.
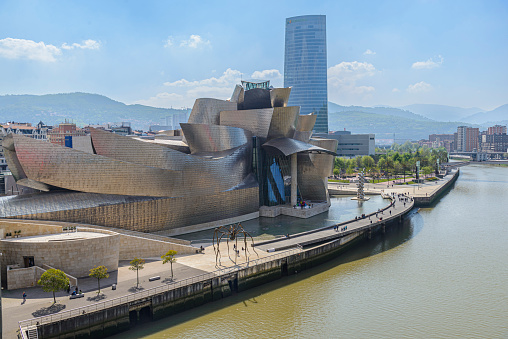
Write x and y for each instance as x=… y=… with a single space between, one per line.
x=478 y=156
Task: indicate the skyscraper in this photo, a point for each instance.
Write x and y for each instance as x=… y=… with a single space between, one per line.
x=305 y=66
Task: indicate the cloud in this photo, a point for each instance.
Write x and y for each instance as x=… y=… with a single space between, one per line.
x=85 y=44
x=369 y=52
x=194 y=41
x=344 y=81
x=429 y=64
x=348 y=72
x=229 y=78
x=419 y=87
x=184 y=92
x=28 y=49
x=395 y=90
x=168 y=42
x=31 y=50
x=267 y=74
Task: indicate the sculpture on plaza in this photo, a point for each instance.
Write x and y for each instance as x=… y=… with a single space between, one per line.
x=231 y=232
x=360 y=194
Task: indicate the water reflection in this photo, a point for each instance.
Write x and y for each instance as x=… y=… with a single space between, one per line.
x=342 y=209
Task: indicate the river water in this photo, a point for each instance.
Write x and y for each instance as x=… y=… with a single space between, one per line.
x=443 y=273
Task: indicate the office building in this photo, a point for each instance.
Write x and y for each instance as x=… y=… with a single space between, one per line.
x=305 y=67
x=351 y=145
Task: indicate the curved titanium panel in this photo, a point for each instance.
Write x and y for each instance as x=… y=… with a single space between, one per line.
x=283 y=122
x=11 y=158
x=33 y=184
x=67 y=168
x=214 y=138
x=302 y=136
x=306 y=122
x=205 y=174
x=304 y=127
x=310 y=183
x=238 y=94
x=257 y=121
x=280 y=96
x=256 y=98
x=324 y=162
x=206 y=110
x=289 y=146
x=142 y=214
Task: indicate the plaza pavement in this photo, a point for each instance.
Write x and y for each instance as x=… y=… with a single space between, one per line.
x=414 y=190
x=40 y=303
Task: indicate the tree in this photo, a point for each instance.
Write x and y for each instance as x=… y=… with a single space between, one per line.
x=381 y=164
x=368 y=162
x=336 y=171
x=340 y=163
x=397 y=167
x=427 y=170
x=53 y=280
x=99 y=273
x=359 y=162
x=169 y=257
x=136 y=265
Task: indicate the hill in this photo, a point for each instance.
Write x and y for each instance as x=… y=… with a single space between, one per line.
x=403 y=128
x=442 y=112
x=334 y=108
x=80 y=108
x=496 y=115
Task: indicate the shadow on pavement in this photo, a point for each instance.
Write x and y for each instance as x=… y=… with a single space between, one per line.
x=55 y=308
x=135 y=289
x=97 y=297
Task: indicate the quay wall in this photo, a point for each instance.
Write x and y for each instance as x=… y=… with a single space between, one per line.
x=427 y=201
x=120 y=318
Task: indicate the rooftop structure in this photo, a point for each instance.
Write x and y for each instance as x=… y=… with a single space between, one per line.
x=235 y=156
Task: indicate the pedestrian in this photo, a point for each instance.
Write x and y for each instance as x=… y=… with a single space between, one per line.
x=68 y=288
x=390 y=212
x=76 y=290
x=24 y=296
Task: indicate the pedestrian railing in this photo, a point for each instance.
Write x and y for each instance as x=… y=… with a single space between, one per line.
x=137 y=296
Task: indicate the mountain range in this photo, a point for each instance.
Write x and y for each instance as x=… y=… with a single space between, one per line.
x=80 y=108
x=411 y=122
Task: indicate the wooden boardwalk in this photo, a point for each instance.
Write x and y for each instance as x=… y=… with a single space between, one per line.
x=399 y=206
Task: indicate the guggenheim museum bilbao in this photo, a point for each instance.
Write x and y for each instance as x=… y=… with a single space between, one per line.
x=234 y=157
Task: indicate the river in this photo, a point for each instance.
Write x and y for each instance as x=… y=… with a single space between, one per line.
x=443 y=273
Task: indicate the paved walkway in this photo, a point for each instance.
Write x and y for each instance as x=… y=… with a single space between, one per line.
x=416 y=190
x=40 y=303
x=400 y=206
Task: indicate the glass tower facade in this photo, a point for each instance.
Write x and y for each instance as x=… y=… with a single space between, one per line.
x=305 y=66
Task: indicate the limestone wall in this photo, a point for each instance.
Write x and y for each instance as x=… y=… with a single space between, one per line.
x=23 y=277
x=27 y=228
x=132 y=246
x=75 y=257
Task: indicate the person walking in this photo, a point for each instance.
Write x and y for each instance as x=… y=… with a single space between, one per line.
x=24 y=297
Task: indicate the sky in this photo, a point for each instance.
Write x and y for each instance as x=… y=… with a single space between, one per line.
x=168 y=53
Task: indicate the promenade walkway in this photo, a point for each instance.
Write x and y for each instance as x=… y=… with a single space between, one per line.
x=399 y=206
x=428 y=188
